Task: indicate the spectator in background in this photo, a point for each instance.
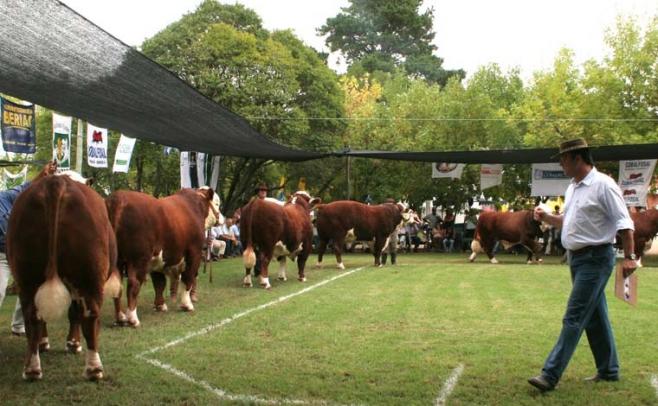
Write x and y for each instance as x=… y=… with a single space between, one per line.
x=431 y=220
x=235 y=230
x=448 y=226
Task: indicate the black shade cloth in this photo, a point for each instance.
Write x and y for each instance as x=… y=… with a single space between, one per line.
x=515 y=156
x=52 y=56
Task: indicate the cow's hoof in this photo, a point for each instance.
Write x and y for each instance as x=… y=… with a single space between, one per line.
x=120 y=323
x=173 y=298
x=32 y=375
x=529 y=262
x=73 y=347
x=540 y=261
x=134 y=323
x=494 y=261
x=247 y=285
x=282 y=278
x=341 y=266
x=188 y=308
x=161 y=308
x=44 y=345
x=318 y=265
x=302 y=279
x=94 y=374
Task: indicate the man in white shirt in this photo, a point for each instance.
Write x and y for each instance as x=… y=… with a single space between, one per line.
x=593 y=214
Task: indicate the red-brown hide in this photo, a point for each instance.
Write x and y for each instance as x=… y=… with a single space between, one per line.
x=513 y=227
x=335 y=219
x=264 y=224
x=646 y=227
x=58 y=232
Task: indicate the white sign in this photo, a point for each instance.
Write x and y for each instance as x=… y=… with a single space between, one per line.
x=123 y=154
x=548 y=180
x=447 y=170
x=192 y=169
x=62 y=141
x=490 y=175
x=634 y=179
x=96 y=146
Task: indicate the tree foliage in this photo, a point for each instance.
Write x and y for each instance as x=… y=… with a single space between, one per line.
x=382 y=35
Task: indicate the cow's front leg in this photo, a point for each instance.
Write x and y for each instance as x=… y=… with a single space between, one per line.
x=33 y=331
x=90 y=329
x=377 y=250
x=535 y=251
x=192 y=263
x=282 y=268
x=301 y=261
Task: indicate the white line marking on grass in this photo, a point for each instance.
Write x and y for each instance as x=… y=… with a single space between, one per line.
x=449 y=385
x=219 y=392
x=236 y=316
x=654 y=383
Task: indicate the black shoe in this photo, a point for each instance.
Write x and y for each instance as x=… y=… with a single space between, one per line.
x=541 y=383
x=600 y=378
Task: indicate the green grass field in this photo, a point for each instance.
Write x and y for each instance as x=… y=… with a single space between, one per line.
x=377 y=336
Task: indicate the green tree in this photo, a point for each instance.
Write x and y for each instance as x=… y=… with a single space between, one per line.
x=280 y=86
x=382 y=35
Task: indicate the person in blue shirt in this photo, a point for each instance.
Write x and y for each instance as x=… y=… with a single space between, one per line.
x=7 y=199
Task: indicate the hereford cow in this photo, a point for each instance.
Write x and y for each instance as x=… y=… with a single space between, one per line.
x=161 y=237
x=276 y=231
x=510 y=228
x=335 y=221
x=62 y=254
x=646 y=227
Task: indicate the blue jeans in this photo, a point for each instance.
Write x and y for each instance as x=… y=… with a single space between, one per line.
x=587 y=310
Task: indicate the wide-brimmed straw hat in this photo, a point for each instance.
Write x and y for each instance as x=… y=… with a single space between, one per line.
x=573 y=145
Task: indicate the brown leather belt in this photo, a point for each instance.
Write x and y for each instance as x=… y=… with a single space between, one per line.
x=588 y=248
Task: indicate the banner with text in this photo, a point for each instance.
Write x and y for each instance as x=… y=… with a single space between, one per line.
x=548 y=180
x=96 y=146
x=17 y=125
x=62 y=141
x=123 y=154
x=10 y=180
x=490 y=175
x=634 y=179
x=447 y=170
x=192 y=169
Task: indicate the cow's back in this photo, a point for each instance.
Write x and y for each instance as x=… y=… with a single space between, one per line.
x=508 y=226
x=183 y=225
x=336 y=218
x=137 y=219
x=84 y=237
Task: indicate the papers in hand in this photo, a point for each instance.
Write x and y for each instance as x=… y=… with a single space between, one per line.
x=625 y=288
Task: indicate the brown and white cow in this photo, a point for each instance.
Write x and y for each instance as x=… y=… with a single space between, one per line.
x=646 y=227
x=62 y=254
x=510 y=228
x=161 y=237
x=276 y=231
x=335 y=221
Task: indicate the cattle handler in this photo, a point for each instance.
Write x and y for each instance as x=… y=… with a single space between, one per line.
x=7 y=199
x=593 y=213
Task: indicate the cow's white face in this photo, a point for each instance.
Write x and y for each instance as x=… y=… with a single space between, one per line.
x=214 y=215
x=75 y=176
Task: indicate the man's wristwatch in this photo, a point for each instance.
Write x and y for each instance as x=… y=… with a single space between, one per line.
x=632 y=257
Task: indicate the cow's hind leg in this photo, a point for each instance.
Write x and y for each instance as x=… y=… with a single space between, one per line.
x=322 y=247
x=338 y=250
x=33 y=331
x=534 y=249
x=265 y=258
x=136 y=277
x=159 y=281
x=75 y=321
x=302 y=257
x=90 y=329
x=282 y=268
x=378 y=247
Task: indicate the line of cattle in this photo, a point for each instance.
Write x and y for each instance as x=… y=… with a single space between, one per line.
x=68 y=248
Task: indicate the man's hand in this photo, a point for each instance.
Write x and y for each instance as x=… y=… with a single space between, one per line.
x=539 y=214
x=49 y=169
x=628 y=266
